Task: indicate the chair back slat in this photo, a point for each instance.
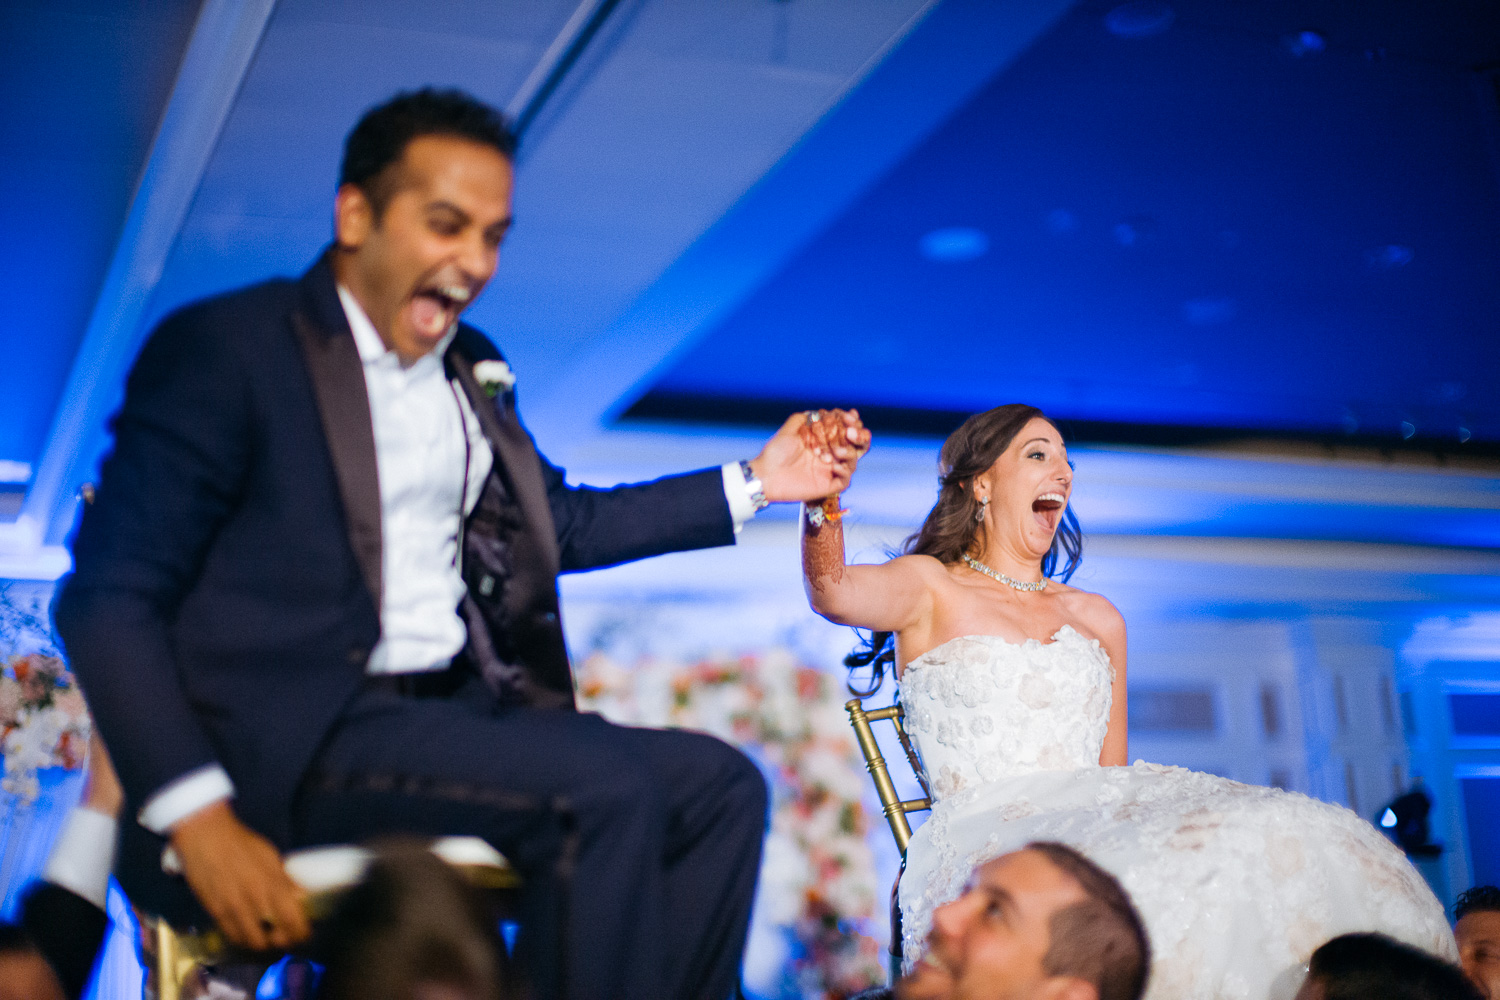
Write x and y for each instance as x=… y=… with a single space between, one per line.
x=911 y=753
x=890 y=801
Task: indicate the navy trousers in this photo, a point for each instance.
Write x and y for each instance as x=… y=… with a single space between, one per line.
x=644 y=844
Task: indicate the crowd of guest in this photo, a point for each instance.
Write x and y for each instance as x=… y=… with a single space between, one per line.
x=1043 y=922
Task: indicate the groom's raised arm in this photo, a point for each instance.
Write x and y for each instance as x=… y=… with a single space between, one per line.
x=603 y=527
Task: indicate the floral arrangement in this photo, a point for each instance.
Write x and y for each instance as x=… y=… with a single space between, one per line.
x=818 y=874
x=43 y=722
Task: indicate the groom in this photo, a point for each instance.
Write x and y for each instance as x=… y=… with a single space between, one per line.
x=315 y=599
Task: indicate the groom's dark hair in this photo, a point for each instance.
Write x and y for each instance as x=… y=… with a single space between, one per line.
x=380 y=138
x=1101 y=940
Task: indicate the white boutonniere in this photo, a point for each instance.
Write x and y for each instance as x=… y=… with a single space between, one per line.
x=494 y=377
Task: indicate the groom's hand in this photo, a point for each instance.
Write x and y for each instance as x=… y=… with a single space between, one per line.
x=238 y=877
x=808 y=459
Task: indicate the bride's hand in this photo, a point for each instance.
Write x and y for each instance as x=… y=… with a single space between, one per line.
x=812 y=456
x=825 y=430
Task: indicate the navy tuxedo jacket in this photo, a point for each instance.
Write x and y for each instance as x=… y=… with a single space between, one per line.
x=226 y=587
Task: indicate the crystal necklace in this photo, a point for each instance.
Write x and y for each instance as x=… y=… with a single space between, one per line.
x=978 y=566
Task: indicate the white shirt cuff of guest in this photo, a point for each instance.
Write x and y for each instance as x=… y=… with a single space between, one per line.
x=737 y=492
x=84 y=855
x=198 y=789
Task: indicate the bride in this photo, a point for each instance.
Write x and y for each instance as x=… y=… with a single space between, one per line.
x=1013 y=685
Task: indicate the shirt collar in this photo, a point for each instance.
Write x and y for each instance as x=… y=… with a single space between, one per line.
x=367 y=338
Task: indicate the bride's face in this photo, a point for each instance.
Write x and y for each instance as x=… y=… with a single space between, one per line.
x=1029 y=486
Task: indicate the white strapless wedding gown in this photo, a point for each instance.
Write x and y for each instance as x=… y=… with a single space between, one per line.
x=1237 y=884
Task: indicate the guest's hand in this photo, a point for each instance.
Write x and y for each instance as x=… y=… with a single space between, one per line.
x=811 y=458
x=238 y=877
x=101 y=790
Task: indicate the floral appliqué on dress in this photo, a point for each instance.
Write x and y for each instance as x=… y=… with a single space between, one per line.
x=1238 y=884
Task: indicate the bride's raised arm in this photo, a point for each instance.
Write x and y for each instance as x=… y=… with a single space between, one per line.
x=887 y=597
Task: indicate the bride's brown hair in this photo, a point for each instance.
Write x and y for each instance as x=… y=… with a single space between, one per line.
x=953 y=526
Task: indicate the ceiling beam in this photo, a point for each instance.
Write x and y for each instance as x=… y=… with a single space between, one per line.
x=553 y=67
x=223 y=43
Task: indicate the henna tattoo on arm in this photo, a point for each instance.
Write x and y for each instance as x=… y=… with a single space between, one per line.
x=822 y=553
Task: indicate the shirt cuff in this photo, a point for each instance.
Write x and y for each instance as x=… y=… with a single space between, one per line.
x=737 y=492
x=84 y=855
x=178 y=800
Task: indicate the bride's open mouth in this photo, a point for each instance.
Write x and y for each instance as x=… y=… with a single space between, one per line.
x=1047 y=509
x=435 y=307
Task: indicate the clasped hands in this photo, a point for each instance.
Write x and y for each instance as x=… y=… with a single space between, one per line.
x=812 y=456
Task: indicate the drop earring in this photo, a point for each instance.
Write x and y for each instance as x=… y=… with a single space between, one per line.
x=984 y=503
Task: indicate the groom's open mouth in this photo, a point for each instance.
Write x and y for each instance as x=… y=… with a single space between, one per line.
x=1047 y=509
x=435 y=307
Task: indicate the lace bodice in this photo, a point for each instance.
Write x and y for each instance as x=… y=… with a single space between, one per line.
x=981 y=708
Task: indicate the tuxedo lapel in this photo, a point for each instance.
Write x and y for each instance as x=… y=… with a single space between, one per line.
x=518 y=457
x=511 y=562
x=338 y=380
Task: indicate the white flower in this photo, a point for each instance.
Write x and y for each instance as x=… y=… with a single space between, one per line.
x=494 y=377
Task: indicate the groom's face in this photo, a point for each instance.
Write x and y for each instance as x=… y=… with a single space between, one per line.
x=420 y=258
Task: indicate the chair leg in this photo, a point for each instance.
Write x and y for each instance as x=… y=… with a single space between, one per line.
x=895 y=949
x=168 y=974
x=176 y=960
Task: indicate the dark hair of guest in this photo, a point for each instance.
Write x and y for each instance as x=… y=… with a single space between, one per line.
x=412 y=923
x=1479 y=899
x=952 y=528
x=1377 y=967
x=373 y=151
x=14 y=939
x=1101 y=940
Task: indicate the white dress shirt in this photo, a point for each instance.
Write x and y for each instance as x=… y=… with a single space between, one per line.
x=420 y=421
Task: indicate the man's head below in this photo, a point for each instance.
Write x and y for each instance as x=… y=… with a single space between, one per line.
x=1376 y=967
x=424 y=201
x=24 y=973
x=411 y=930
x=1043 y=922
x=1477 y=927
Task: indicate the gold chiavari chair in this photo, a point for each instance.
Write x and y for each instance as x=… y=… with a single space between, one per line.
x=891 y=803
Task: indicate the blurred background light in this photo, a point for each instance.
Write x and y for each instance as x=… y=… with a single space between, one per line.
x=955 y=243
x=1304 y=43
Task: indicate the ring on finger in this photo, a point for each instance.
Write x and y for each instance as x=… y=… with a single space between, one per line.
x=813 y=416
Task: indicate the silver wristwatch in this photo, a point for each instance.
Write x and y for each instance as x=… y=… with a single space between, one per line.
x=756 y=487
